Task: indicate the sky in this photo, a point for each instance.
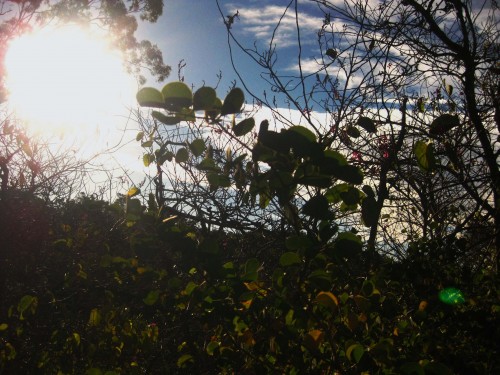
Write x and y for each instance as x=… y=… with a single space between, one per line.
x=195 y=32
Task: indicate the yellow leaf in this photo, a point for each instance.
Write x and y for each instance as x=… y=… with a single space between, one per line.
x=327 y=299
x=313 y=339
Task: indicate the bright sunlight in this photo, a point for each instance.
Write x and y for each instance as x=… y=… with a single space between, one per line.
x=66 y=81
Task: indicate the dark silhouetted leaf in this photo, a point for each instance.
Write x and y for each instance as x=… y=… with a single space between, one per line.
x=233 y=102
x=167 y=120
x=443 y=124
x=244 y=127
x=369 y=211
x=367 y=124
x=204 y=99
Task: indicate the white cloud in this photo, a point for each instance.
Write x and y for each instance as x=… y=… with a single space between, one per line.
x=259 y=22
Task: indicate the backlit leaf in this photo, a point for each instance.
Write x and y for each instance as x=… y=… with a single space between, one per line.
x=177 y=95
x=150 y=97
x=133 y=191
x=425 y=155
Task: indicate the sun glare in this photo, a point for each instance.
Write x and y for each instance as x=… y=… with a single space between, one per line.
x=66 y=80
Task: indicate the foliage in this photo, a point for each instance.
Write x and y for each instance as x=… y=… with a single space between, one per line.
x=256 y=250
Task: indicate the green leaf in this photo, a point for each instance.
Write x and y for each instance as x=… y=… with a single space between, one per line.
x=347 y=245
x=204 y=98
x=289 y=259
x=95 y=317
x=327 y=299
x=197 y=147
x=350 y=197
x=251 y=270
x=147 y=159
x=353 y=132
x=298 y=242
x=177 y=95
x=451 y=296
x=355 y=352
x=152 y=297
x=425 y=155
x=3 y=327
x=182 y=155
x=318 y=208
x=25 y=303
x=233 y=102
x=150 y=97
x=244 y=127
x=212 y=347
x=167 y=120
x=443 y=124
x=133 y=191
x=218 y=180
x=208 y=164
x=93 y=371
x=302 y=131
x=139 y=136
x=215 y=111
x=367 y=124
x=369 y=211
x=147 y=144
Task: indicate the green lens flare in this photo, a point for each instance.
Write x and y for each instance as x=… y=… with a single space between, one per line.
x=451 y=296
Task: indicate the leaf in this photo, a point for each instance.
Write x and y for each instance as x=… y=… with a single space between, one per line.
x=76 y=337
x=327 y=299
x=197 y=147
x=350 y=197
x=3 y=327
x=443 y=124
x=369 y=211
x=167 y=120
x=367 y=124
x=204 y=98
x=147 y=159
x=244 y=127
x=208 y=164
x=353 y=132
x=347 y=245
x=355 y=352
x=133 y=191
x=147 y=144
x=139 y=136
x=182 y=155
x=150 y=97
x=152 y=297
x=302 y=131
x=289 y=259
x=331 y=53
x=233 y=102
x=25 y=303
x=349 y=173
x=313 y=339
x=184 y=359
x=93 y=371
x=212 y=347
x=177 y=95
x=425 y=155
x=318 y=208
x=95 y=317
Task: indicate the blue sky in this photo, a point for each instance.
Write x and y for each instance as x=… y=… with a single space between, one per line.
x=194 y=31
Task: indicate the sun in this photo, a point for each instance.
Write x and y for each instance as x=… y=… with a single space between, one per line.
x=66 y=80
